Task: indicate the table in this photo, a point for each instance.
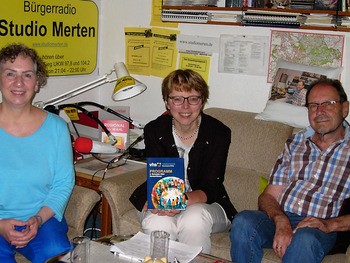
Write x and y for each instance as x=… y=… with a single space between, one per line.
x=100 y=252
x=85 y=176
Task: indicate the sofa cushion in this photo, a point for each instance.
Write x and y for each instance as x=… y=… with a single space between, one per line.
x=220 y=245
x=255 y=143
x=241 y=197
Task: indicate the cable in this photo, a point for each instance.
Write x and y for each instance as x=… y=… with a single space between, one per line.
x=87 y=113
x=105 y=109
x=137 y=140
x=128 y=119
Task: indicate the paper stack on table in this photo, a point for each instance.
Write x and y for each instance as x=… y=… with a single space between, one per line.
x=138 y=247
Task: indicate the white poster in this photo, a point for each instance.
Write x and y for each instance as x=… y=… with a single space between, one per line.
x=241 y=54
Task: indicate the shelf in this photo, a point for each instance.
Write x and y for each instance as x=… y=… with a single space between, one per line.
x=211 y=8
x=301 y=11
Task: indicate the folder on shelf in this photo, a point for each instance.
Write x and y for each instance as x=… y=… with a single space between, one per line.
x=271 y=18
x=192 y=16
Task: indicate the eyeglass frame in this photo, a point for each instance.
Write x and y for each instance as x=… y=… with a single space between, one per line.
x=322 y=104
x=199 y=98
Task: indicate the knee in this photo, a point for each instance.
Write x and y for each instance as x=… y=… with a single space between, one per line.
x=199 y=220
x=242 y=224
x=305 y=237
x=153 y=222
x=244 y=220
x=48 y=252
x=196 y=219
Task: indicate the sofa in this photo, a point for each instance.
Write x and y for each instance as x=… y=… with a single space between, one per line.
x=254 y=148
x=79 y=207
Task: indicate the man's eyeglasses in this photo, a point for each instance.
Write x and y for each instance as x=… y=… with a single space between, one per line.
x=326 y=105
x=179 y=100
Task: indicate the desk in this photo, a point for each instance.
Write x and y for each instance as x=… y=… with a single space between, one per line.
x=84 y=176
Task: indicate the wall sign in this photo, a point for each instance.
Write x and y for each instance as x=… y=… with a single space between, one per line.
x=63 y=32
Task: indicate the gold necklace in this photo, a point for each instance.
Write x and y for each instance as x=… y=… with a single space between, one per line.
x=189 y=137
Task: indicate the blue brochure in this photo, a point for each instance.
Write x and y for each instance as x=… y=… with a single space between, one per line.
x=165 y=183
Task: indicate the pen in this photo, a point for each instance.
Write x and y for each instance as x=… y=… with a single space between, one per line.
x=127 y=257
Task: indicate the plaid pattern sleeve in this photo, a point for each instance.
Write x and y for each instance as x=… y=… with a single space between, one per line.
x=316 y=182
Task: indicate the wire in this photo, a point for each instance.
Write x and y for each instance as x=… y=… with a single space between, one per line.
x=89 y=114
x=105 y=109
x=94 y=213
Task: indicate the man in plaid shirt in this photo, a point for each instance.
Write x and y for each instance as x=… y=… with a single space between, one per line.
x=299 y=96
x=298 y=213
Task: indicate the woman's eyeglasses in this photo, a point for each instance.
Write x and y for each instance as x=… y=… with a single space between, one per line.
x=179 y=100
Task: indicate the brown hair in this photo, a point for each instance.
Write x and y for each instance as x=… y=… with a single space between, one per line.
x=185 y=80
x=12 y=51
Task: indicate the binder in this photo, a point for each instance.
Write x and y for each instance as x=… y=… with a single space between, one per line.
x=270 y=18
x=192 y=16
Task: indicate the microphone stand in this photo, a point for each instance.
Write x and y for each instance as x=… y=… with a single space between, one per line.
x=56 y=109
x=111 y=137
x=134 y=123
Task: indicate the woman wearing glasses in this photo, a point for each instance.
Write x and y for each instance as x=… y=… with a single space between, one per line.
x=203 y=142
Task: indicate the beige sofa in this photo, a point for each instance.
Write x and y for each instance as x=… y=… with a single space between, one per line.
x=79 y=207
x=253 y=151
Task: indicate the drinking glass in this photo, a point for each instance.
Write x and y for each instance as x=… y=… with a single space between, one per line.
x=80 y=249
x=159 y=244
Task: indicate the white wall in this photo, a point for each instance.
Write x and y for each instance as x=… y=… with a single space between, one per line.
x=233 y=91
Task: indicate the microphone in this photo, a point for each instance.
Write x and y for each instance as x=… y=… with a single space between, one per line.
x=86 y=145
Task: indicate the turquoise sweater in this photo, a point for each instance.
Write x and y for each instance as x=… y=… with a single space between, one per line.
x=36 y=170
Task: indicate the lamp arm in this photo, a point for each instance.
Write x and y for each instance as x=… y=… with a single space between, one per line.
x=136 y=124
x=111 y=137
x=75 y=92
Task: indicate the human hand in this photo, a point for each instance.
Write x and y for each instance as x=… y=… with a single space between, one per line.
x=145 y=206
x=8 y=229
x=313 y=222
x=283 y=237
x=28 y=234
x=162 y=212
x=167 y=212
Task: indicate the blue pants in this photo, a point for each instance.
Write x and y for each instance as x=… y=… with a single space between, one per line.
x=50 y=241
x=253 y=230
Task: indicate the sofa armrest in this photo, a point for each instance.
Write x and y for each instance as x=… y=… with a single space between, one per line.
x=348 y=255
x=118 y=189
x=80 y=204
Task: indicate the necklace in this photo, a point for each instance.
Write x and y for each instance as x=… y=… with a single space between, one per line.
x=189 y=137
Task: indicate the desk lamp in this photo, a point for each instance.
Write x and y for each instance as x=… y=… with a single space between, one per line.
x=125 y=88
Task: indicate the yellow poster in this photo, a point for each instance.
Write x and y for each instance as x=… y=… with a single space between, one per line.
x=156 y=19
x=200 y=64
x=164 y=52
x=64 y=32
x=138 y=42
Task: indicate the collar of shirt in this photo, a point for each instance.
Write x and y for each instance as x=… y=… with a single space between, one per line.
x=309 y=132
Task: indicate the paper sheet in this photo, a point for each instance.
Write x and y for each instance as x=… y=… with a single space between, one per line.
x=139 y=246
x=243 y=54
